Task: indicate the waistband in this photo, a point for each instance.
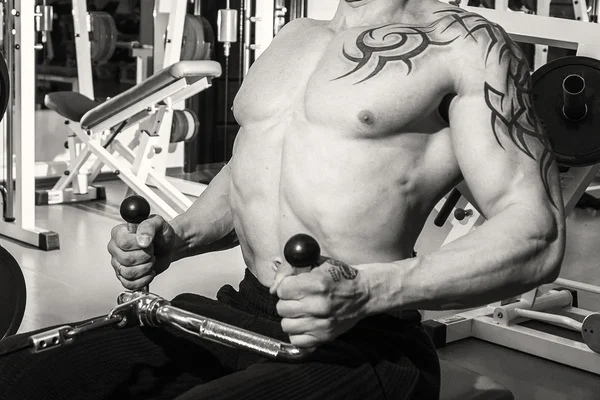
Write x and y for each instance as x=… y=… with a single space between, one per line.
x=256 y=296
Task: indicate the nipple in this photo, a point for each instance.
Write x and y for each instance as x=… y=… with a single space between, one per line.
x=366 y=117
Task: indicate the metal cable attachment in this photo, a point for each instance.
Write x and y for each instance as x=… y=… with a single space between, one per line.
x=152 y=310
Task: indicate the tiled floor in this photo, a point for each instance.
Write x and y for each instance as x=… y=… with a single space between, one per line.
x=77 y=282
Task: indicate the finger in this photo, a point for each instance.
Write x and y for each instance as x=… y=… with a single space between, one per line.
x=136 y=284
x=147 y=230
x=290 y=309
x=123 y=239
x=284 y=270
x=136 y=272
x=312 y=307
x=301 y=326
x=133 y=257
x=300 y=286
x=307 y=341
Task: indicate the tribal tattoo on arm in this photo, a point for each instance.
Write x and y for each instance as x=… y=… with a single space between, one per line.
x=339 y=270
x=511 y=106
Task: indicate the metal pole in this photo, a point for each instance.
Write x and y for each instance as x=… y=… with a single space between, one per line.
x=83 y=49
x=247 y=35
x=298 y=9
x=9 y=43
x=595 y=10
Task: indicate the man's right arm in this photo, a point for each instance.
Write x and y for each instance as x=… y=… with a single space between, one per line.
x=208 y=224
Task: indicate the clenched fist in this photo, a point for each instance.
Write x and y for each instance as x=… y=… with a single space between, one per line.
x=138 y=257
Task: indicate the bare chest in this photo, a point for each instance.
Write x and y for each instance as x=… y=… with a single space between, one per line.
x=368 y=81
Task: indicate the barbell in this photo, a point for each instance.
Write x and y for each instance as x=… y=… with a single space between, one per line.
x=197 y=43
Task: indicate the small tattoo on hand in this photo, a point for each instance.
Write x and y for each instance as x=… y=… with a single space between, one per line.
x=339 y=270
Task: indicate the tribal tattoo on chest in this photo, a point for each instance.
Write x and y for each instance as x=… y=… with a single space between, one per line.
x=512 y=113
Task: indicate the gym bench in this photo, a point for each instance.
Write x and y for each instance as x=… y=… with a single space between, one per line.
x=148 y=110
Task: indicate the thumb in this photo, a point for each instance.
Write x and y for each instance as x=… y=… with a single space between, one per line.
x=147 y=231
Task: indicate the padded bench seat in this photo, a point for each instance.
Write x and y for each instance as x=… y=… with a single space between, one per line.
x=462 y=384
x=192 y=71
x=71 y=105
x=75 y=106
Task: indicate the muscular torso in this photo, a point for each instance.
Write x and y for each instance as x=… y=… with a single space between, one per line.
x=353 y=154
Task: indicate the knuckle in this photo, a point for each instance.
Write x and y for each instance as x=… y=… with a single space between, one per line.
x=280 y=292
x=279 y=308
x=115 y=264
x=111 y=247
x=324 y=307
x=114 y=232
x=295 y=340
x=129 y=260
x=322 y=286
x=128 y=273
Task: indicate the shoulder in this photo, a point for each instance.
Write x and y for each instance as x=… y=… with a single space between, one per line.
x=483 y=50
x=299 y=25
x=475 y=36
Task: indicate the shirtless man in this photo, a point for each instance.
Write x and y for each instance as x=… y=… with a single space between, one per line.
x=341 y=138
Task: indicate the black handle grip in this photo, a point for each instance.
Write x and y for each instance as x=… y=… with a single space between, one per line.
x=451 y=202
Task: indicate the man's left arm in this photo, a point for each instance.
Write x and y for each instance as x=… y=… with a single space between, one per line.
x=502 y=153
x=507 y=165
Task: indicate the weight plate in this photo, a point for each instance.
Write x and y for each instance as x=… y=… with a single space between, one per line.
x=185 y=126
x=190 y=37
x=13 y=294
x=575 y=143
x=193 y=125
x=179 y=127
x=590 y=331
x=4 y=86
x=209 y=40
x=103 y=38
x=198 y=38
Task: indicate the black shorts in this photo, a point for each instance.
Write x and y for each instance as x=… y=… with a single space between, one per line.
x=382 y=357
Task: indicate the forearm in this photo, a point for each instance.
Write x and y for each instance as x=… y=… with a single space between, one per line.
x=208 y=224
x=507 y=256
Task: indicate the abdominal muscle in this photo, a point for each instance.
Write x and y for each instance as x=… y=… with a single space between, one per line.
x=365 y=200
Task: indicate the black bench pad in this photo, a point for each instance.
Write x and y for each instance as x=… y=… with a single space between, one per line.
x=192 y=71
x=71 y=105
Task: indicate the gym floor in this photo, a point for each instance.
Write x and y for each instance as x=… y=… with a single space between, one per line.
x=77 y=282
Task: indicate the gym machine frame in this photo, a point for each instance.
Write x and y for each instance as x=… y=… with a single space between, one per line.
x=169 y=24
x=19 y=211
x=499 y=322
x=74 y=185
x=262 y=20
x=543 y=9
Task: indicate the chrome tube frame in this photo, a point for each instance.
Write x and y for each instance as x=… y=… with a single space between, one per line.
x=152 y=310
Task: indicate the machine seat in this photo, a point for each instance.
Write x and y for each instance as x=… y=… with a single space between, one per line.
x=462 y=384
x=191 y=71
x=71 y=105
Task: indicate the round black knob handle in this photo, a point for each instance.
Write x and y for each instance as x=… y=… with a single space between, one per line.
x=302 y=251
x=461 y=214
x=135 y=209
